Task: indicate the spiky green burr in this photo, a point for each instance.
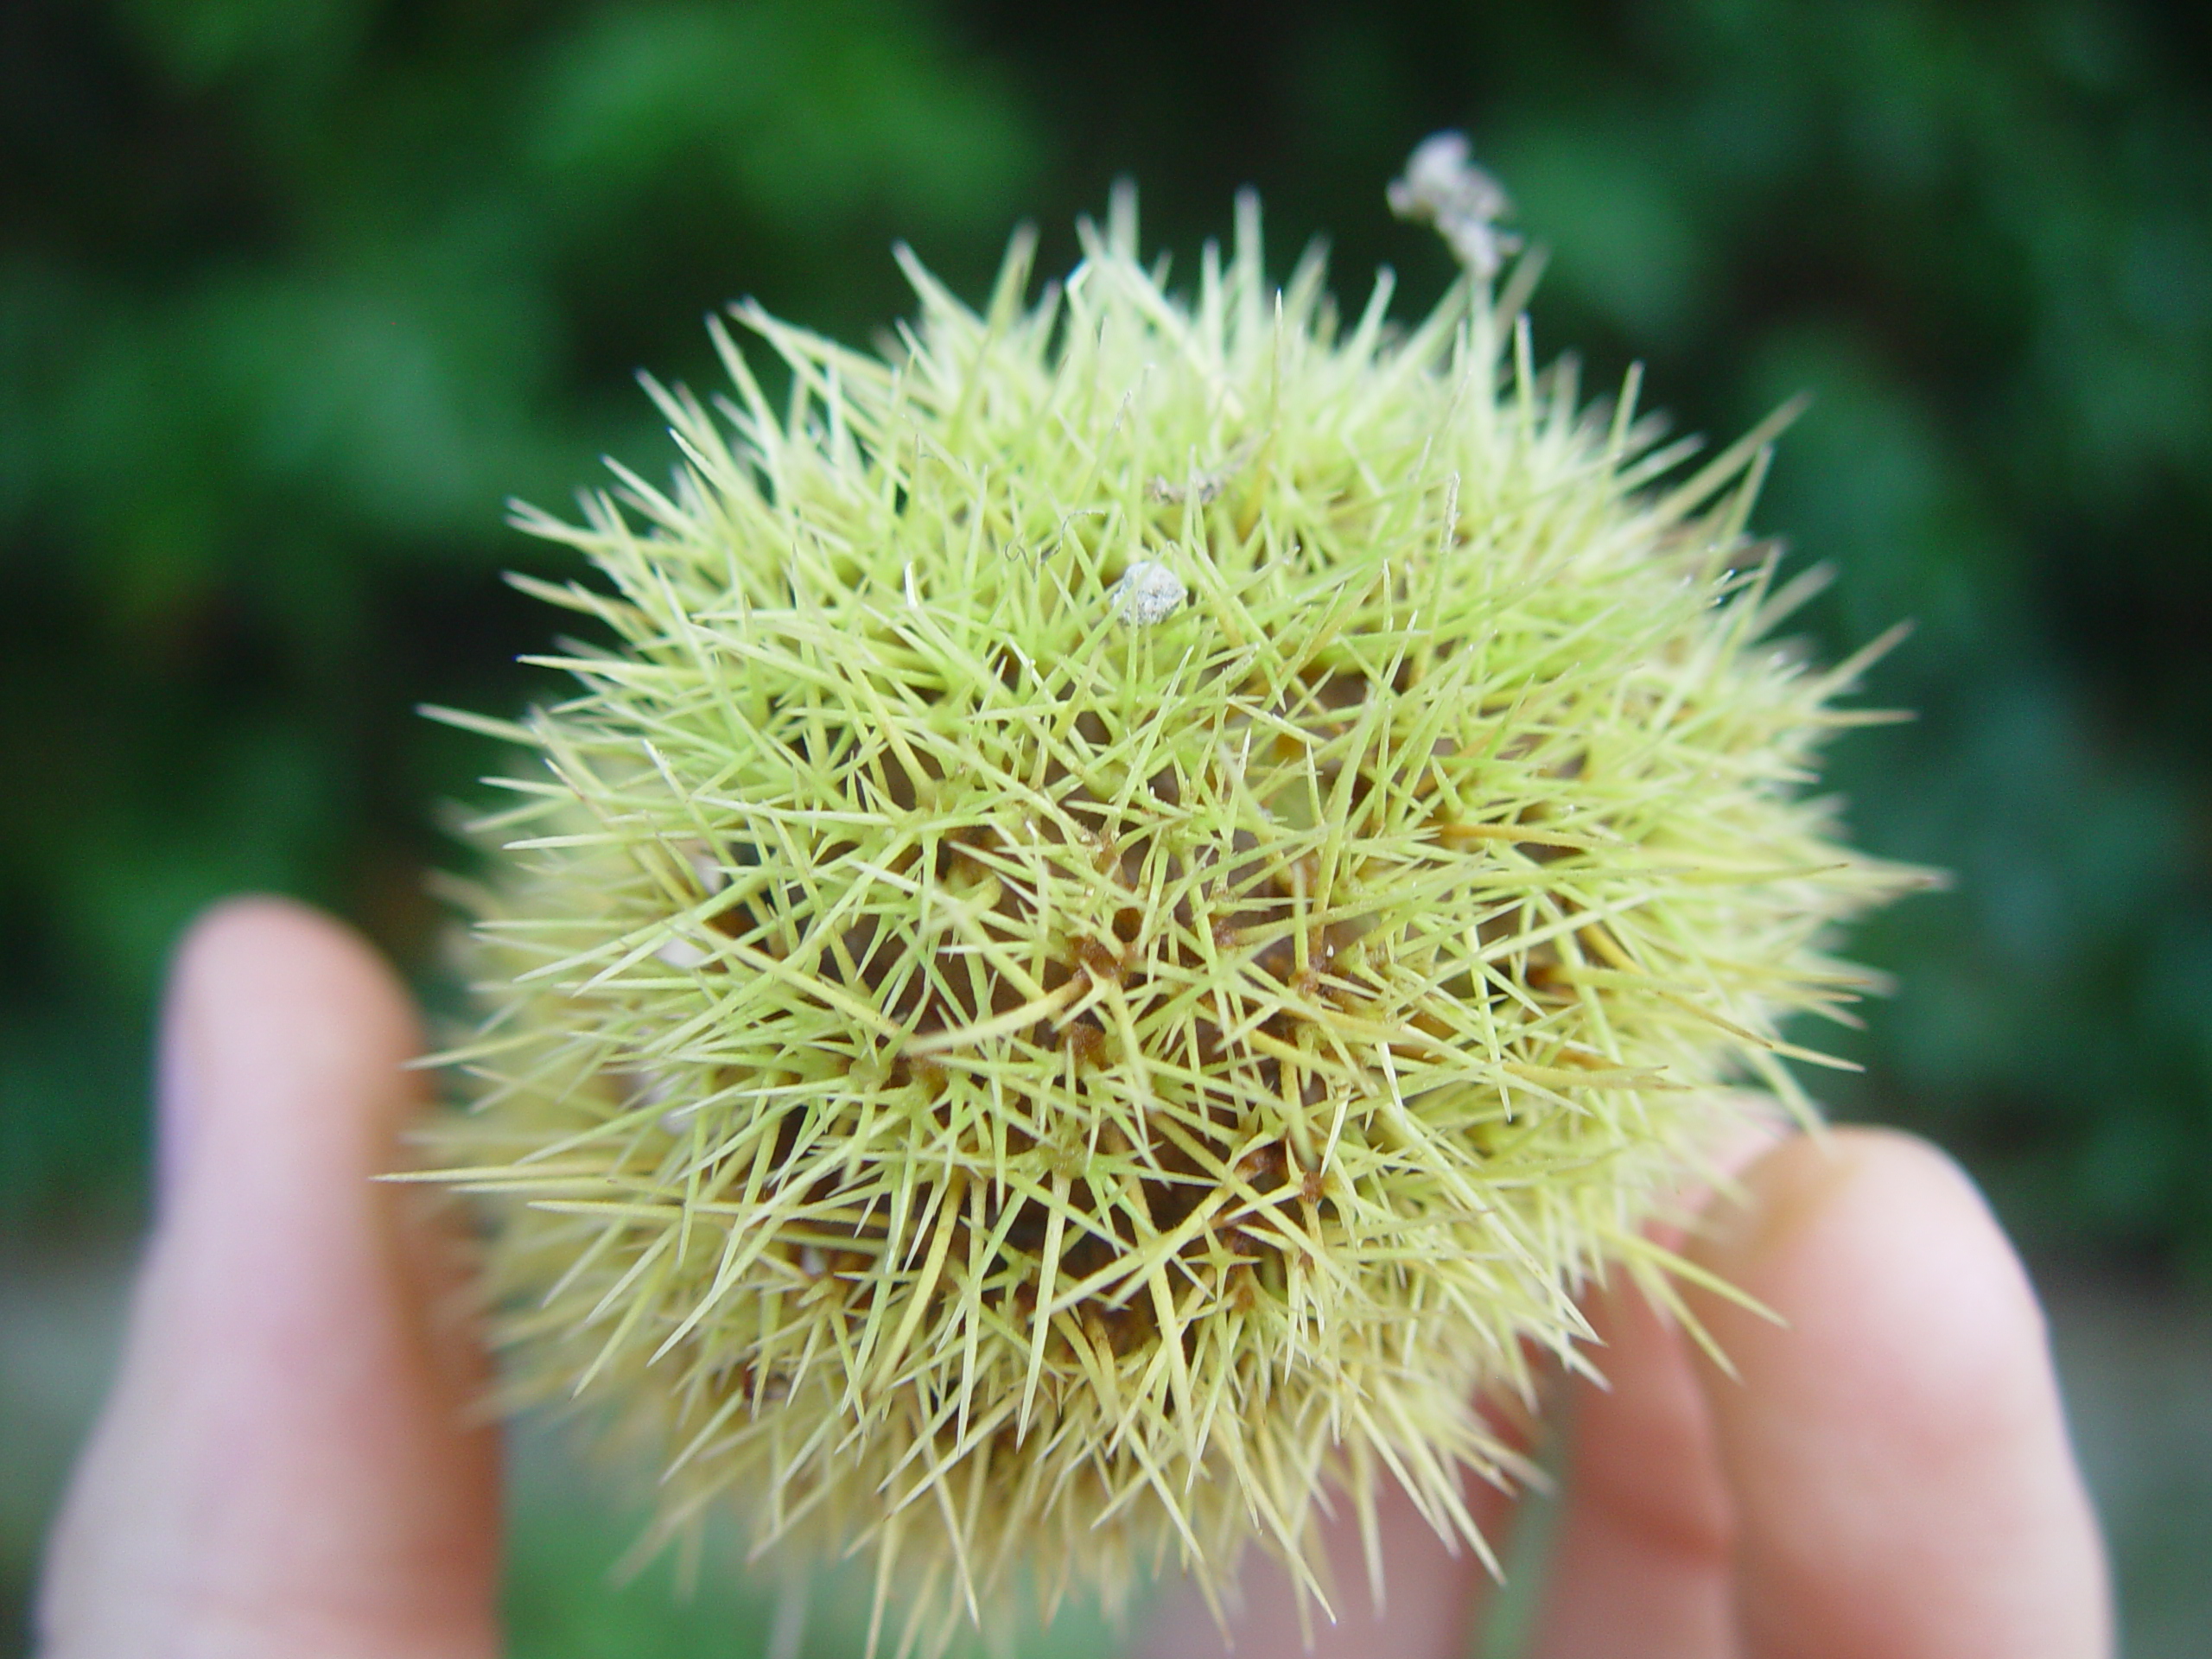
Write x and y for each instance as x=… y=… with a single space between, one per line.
x=1148 y=890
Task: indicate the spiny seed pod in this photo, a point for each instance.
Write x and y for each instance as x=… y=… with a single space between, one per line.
x=1149 y=889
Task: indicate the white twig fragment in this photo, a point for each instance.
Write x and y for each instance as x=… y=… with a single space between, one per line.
x=1148 y=592
x=1443 y=187
x=1205 y=486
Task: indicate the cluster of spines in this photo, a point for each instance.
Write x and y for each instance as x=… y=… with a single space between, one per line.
x=983 y=1079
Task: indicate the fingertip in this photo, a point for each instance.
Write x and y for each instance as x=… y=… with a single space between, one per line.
x=284 y=1466
x=1896 y=1445
x=262 y=987
x=1888 y=1273
x=272 y=961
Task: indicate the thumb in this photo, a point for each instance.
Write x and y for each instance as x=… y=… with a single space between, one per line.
x=283 y=1467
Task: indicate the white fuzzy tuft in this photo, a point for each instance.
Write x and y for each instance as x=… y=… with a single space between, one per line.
x=1147 y=593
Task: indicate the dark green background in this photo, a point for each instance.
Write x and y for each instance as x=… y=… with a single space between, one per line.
x=294 y=292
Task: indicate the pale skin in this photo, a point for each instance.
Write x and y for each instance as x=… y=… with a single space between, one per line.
x=288 y=1465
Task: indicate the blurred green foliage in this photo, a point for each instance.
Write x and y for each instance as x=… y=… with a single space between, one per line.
x=294 y=292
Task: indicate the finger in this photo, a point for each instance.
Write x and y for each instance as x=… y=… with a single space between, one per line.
x=1642 y=1560
x=1431 y=1594
x=1642 y=1565
x=283 y=1467
x=1897 y=1456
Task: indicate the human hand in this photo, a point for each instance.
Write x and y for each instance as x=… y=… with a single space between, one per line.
x=1888 y=1475
x=285 y=1469
x=286 y=1466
